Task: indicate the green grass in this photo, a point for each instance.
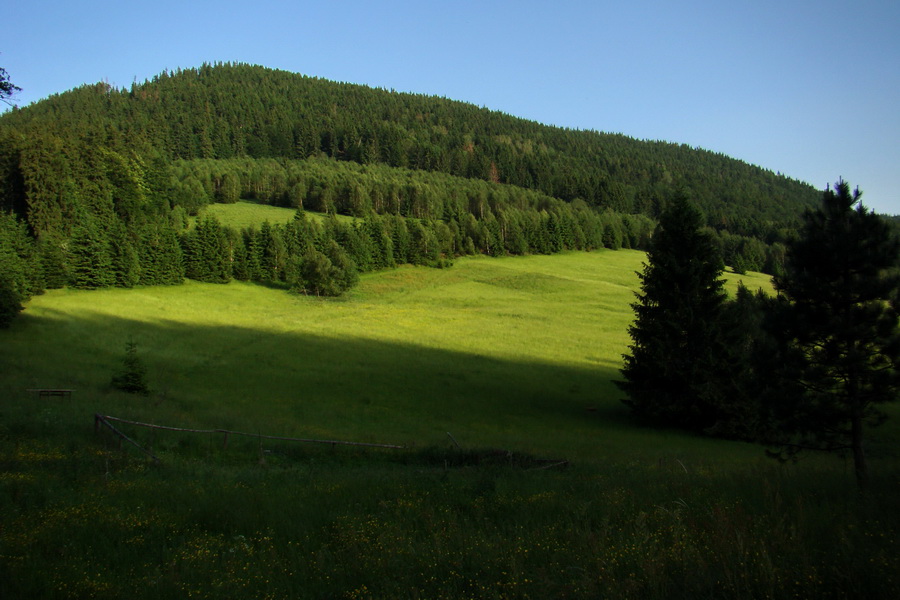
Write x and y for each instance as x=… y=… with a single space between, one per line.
x=251 y=214
x=514 y=357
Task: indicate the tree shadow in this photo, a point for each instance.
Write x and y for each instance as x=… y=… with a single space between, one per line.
x=307 y=385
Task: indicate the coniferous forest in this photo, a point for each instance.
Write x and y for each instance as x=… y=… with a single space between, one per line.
x=97 y=184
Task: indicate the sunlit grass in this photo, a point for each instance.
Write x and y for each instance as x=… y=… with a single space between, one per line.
x=513 y=357
x=245 y=214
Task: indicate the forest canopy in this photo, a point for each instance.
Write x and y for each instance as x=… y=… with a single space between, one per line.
x=243 y=111
x=103 y=180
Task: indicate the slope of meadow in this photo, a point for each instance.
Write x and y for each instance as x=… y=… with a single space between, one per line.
x=245 y=214
x=513 y=357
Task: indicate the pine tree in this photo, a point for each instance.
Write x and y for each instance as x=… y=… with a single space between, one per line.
x=133 y=376
x=169 y=257
x=51 y=262
x=15 y=287
x=90 y=264
x=251 y=243
x=401 y=239
x=273 y=253
x=240 y=268
x=125 y=263
x=841 y=324
x=382 y=248
x=207 y=253
x=671 y=372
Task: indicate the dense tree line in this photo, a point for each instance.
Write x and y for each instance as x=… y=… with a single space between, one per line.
x=288 y=254
x=106 y=215
x=99 y=216
x=326 y=185
x=807 y=369
x=484 y=217
x=101 y=182
x=229 y=111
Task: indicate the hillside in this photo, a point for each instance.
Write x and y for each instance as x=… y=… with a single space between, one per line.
x=98 y=185
x=237 y=111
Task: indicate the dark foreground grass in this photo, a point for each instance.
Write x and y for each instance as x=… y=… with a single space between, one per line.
x=488 y=511
x=89 y=521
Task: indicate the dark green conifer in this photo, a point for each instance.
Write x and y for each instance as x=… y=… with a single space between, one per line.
x=676 y=348
x=840 y=327
x=207 y=253
x=273 y=253
x=52 y=263
x=125 y=263
x=132 y=378
x=90 y=264
x=15 y=284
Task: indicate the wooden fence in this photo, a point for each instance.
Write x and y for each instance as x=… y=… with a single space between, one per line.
x=107 y=421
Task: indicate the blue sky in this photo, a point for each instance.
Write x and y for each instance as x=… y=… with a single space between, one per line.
x=807 y=88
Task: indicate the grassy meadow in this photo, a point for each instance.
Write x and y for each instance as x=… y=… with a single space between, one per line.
x=246 y=214
x=489 y=373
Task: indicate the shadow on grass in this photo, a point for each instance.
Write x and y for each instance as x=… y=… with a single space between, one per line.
x=306 y=385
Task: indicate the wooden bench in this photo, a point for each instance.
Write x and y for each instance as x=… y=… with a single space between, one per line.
x=49 y=392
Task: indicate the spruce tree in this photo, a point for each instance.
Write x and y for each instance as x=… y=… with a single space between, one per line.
x=169 y=257
x=90 y=264
x=251 y=243
x=51 y=262
x=125 y=262
x=133 y=376
x=14 y=268
x=273 y=253
x=240 y=266
x=207 y=252
x=10 y=300
x=677 y=349
x=839 y=326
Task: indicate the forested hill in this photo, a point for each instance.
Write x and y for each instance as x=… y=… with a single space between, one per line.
x=240 y=111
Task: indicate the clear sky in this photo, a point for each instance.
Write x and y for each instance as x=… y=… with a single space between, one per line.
x=808 y=88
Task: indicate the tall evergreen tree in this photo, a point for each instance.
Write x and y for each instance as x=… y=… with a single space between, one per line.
x=207 y=252
x=15 y=286
x=51 y=262
x=251 y=243
x=273 y=253
x=382 y=248
x=125 y=262
x=841 y=324
x=90 y=264
x=676 y=343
